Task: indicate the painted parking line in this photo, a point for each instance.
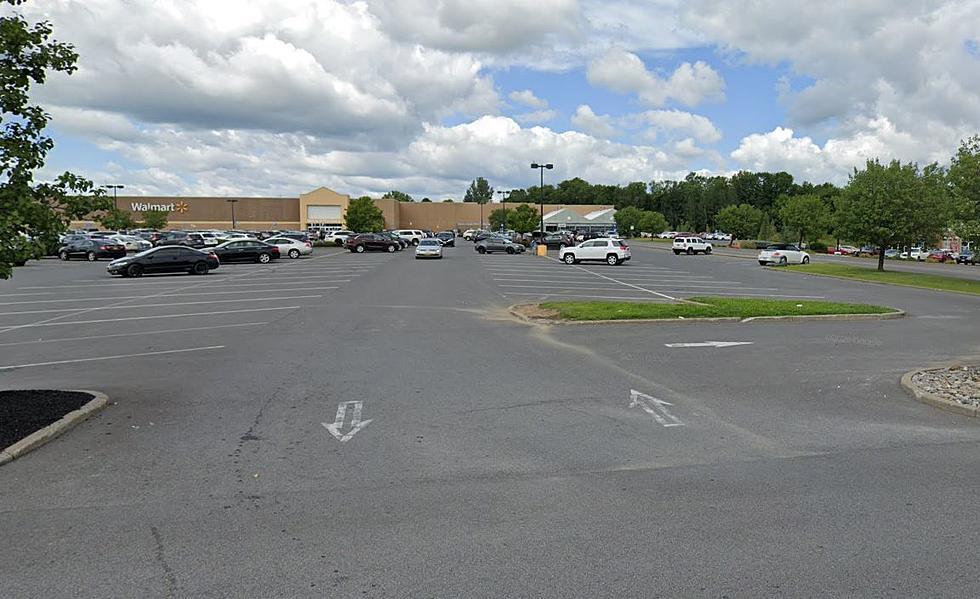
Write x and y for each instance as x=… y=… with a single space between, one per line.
x=135 y=333
x=641 y=298
x=61 y=323
x=159 y=286
x=194 y=294
x=141 y=306
x=119 y=357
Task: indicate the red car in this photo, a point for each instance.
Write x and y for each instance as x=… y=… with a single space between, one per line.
x=940 y=255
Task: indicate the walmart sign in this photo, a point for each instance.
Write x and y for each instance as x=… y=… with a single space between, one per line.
x=180 y=207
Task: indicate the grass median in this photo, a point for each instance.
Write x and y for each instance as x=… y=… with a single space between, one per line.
x=706 y=307
x=892 y=277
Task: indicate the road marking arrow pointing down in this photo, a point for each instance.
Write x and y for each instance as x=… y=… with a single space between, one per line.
x=356 y=423
x=709 y=344
x=655 y=407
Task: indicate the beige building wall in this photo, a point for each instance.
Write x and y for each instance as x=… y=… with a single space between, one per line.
x=322 y=198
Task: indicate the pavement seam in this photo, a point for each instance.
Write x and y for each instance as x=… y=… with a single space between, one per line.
x=53 y=430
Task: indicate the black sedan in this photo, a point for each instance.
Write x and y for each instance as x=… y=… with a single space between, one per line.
x=91 y=249
x=371 y=242
x=165 y=259
x=246 y=250
x=558 y=241
x=448 y=238
x=193 y=240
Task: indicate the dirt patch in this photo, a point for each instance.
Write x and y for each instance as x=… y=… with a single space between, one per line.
x=536 y=312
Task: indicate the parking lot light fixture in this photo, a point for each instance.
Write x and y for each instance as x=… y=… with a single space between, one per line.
x=541 y=168
x=114 y=187
x=233 y=222
x=504 y=194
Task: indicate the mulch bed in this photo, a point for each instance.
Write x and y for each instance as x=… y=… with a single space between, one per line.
x=24 y=411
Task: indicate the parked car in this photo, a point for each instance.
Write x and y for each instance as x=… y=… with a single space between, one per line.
x=165 y=259
x=371 y=242
x=782 y=254
x=297 y=235
x=558 y=241
x=246 y=250
x=844 y=250
x=291 y=247
x=490 y=245
x=967 y=257
x=448 y=238
x=939 y=255
x=132 y=243
x=892 y=253
x=918 y=254
x=469 y=233
x=610 y=251
x=690 y=245
x=412 y=236
x=91 y=249
x=193 y=240
x=429 y=248
x=338 y=237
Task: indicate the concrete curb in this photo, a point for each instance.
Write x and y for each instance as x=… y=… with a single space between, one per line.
x=53 y=430
x=840 y=278
x=933 y=399
x=802 y=318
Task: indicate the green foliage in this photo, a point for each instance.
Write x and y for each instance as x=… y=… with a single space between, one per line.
x=155 y=219
x=394 y=194
x=893 y=205
x=964 y=184
x=479 y=191
x=31 y=212
x=524 y=219
x=450 y=200
x=652 y=222
x=806 y=216
x=706 y=307
x=817 y=246
x=363 y=216
x=633 y=221
x=115 y=219
x=892 y=277
x=499 y=217
x=742 y=221
x=767 y=231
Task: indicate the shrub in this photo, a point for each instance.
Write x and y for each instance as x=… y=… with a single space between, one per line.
x=817 y=246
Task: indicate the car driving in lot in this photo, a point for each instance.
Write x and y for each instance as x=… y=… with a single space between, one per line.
x=91 y=249
x=610 y=251
x=782 y=254
x=429 y=248
x=371 y=242
x=246 y=250
x=166 y=259
x=448 y=238
x=288 y=246
x=966 y=257
x=690 y=245
x=412 y=236
x=493 y=244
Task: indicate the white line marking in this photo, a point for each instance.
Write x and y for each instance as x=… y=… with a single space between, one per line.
x=655 y=407
x=117 y=297
x=152 y=353
x=356 y=423
x=733 y=293
x=227 y=301
x=709 y=344
x=184 y=330
x=75 y=322
x=638 y=288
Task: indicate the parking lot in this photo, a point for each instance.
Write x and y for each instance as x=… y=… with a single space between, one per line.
x=334 y=425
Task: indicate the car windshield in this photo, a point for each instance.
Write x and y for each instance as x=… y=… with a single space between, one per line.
x=432 y=242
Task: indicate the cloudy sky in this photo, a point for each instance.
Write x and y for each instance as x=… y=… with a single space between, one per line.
x=276 y=97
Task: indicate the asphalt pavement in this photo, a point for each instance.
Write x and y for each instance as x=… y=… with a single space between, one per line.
x=378 y=426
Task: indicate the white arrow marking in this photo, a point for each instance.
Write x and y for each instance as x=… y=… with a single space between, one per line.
x=356 y=423
x=709 y=344
x=655 y=407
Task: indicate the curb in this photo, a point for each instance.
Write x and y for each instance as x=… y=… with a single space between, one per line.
x=933 y=399
x=802 y=318
x=53 y=430
x=840 y=278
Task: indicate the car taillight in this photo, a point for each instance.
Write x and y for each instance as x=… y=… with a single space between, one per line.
x=775 y=253
x=308 y=244
x=102 y=247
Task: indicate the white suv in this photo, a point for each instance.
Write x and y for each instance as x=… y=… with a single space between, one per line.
x=338 y=237
x=691 y=245
x=412 y=236
x=610 y=251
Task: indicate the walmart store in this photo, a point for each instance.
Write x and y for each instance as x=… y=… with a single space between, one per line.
x=327 y=207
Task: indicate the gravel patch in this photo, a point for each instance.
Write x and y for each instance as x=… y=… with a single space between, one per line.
x=24 y=411
x=960 y=384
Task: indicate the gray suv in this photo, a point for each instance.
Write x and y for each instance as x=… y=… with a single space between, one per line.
x=498 y=244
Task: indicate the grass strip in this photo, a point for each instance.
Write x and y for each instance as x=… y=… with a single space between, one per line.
x=706 y=307
x=892 y=277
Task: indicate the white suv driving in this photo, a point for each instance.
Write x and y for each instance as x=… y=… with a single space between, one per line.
x=412 y=236
x=610 y=251
x=691 y=245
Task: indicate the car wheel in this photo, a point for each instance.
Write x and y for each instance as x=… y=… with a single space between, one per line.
x=612 y=259
x=690 y=251
x=510 y=250
x=200 y=268
x=762 y=262
x=294 y=254
x=677 y=252
x=63 y=255
x=390 y=249
x=568 y=259
x=264 y=258
x=338 y=242
x=782 y=261
x=481 y=250
x=707 y=250
x=806 y=259
x=91 y=257
x=359 y=249
x=561 y=248
x=134 y=270
x=415 y=242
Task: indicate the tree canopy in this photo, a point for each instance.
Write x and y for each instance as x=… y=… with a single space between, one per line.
x=363 y=216
x=155 y=219
x=479 y=191
x=807 y=216
x=742 y=221
x=523 y=219
x=964 y=184
x=394 y=194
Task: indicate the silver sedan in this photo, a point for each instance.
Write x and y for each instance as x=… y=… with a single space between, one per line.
x=428 y=248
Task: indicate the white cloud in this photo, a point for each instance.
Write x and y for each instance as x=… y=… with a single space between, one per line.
x=527 y=98
x=536 y=116
x=678 y=121
x=592 y=123
x=624 y=72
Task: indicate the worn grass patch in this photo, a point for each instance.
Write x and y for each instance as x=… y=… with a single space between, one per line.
x=892 y=277
x=706 y=307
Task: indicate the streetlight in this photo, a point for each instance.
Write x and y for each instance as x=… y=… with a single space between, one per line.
x=114 y=187
x=504 y=194
x=541 y=168
x=234 y=224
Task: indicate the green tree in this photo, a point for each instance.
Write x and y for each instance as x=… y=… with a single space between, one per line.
x=652 y=222
x=524 y=219
x=31 y=212
x=394 y=194
x=628 y=220
x=964 y=183
x=450 y=200
x=363 y=216
x=893 y=204
x=426 y=200
x=806 y=216
x=500 y=217
x=742 y=221
x=767 y=231
x=116 y=219
x=155 y=219
x=479 y=191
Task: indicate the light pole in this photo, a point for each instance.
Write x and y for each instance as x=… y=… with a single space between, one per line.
x=504 y=194
x=114 y=187
x=234 y=223
x=541 y=168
